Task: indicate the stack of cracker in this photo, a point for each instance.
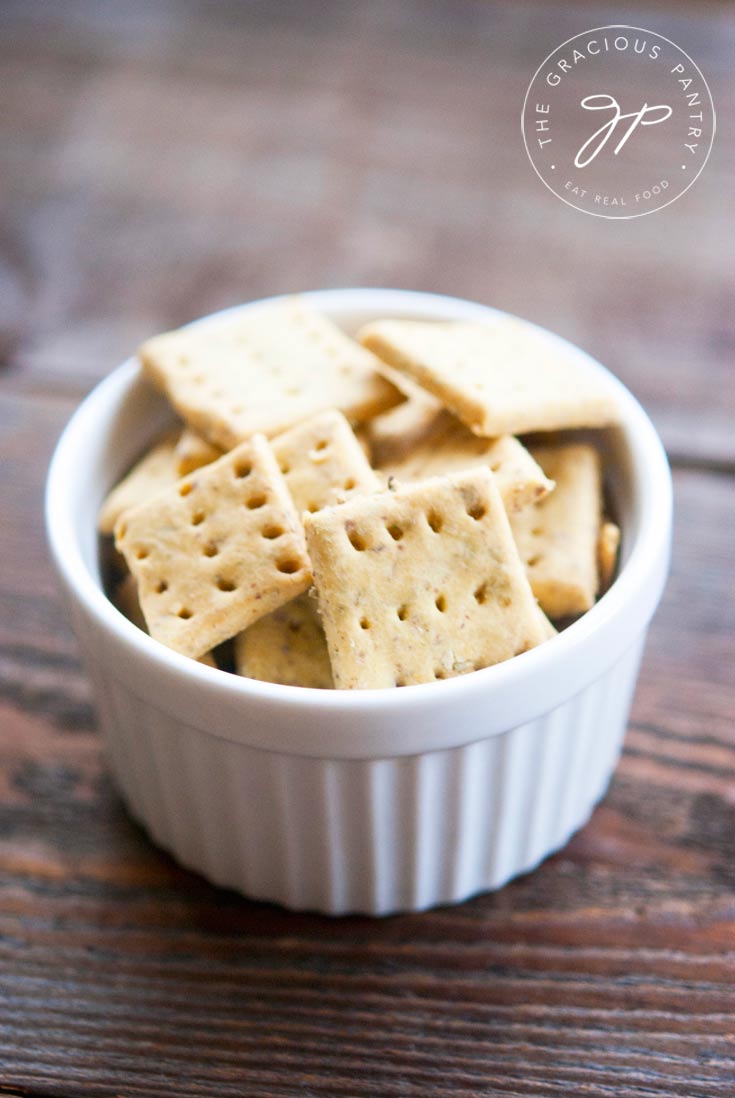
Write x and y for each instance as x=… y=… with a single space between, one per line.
x=261 y=523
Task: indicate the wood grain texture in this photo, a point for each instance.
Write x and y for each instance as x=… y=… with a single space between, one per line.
x=261 y=148
x=163 y=160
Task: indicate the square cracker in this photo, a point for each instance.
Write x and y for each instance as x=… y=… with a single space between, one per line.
x=607 y=553
x=153 y=473
x=557 y=538
x=287 y=647
x=127 y=602
x=193 y=451
x=500 y=377
x=323 y=462
x=450 y=448
x=217 y=551
x=420 y=583
x=395 y=433
x=263 y=371
x=548 y=628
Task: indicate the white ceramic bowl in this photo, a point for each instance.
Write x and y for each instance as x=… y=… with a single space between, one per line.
x=365 y=801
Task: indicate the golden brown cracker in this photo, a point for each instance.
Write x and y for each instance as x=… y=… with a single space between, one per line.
x=217 y=551
x=286 y=647
x=451 y=448
x=323 y=462
x=153 y=473
x=127 y=602
x=420 y=583
x=607 y=553
x=500 y=377
x=394 y=434
x=193 y=451
x=557 y=537
x=264 y=370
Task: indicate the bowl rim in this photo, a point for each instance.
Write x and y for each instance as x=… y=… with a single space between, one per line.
x=643 y=564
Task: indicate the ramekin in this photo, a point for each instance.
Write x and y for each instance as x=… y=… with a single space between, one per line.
x=371 y=801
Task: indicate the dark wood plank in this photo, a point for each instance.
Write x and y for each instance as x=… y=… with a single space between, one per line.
x=164 y=161
x=609 y=970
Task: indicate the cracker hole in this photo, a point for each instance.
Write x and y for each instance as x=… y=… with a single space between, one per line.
x=357 y=541
x=142 y=552
x=294 y=627
x=225 y=584
x=395 y=531
x=364 y=623
x=198 y=518
x=185 y=488
x=435 y=521
x=312 y=507
x=161 y=586
x=288 y=566
x=400 y=682
x=477 y=511
x=345 y=371
x=122 y=530
x=494 y=467
x=185 y=613
x=481 y=594
x=285 y=468
x=440 y=673
x=272 y=532
x=349 y=484
x=210 y=550
x=402 y=612
x=243 y=469
x=538 y=531
x=441 y=603
x=531 y=561
x=256 y=501
x=321 y=444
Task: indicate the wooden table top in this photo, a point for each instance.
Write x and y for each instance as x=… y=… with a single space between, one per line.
x=161 y=161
